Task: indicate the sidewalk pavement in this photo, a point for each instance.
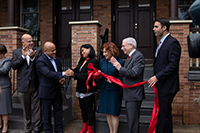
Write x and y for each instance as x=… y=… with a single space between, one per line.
x=76 y=125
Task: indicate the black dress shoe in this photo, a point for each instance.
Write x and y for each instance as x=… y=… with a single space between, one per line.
x=37 y=131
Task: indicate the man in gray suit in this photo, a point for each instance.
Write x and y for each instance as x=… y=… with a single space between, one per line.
x=132 y=73
x=27 y=82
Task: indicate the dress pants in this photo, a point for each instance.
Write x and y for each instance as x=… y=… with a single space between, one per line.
x=133 y=115
x=57 y=110
x=164 y=122
x=25 y=99
x=87 y=109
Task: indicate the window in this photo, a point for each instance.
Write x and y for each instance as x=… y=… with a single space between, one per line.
x=84 y=4
x=30 y=15
x=123 y=4
x=143 y=3
x=66 y=4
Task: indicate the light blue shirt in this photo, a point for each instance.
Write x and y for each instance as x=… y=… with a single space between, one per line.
x=52 y=62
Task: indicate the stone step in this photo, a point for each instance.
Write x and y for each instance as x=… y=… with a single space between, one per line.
x=16 y=118
x=123 y=128
x=101 y=124
x=148 y=72
x=122 y=118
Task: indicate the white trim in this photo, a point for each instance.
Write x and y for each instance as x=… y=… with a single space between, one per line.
x=180 y=21
x=13 y=28
x=85 y=22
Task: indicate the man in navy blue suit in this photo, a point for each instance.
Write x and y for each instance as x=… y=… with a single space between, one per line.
x=50 y=79
x=166 y=73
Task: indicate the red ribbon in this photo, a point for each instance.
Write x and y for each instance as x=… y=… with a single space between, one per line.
x=94 y=73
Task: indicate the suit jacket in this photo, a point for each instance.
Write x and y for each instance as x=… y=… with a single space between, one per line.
x=81 y=76
x=166 y=66
x=25 y=72
x=49 y=84
x=107 y=68
x=132 y=73
x=5 y=66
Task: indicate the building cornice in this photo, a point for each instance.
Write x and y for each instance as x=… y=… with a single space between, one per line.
x=85 y=22
x=13 y=28
x=180 y=21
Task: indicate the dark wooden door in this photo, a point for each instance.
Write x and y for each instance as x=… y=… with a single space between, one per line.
x=134 y=18
x=66 y=11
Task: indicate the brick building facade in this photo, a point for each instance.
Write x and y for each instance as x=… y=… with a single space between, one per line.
x=185 y=109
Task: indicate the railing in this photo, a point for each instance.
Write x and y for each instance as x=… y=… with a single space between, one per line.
x=36 y=38
x=13 y=77
x=194 y=62
x=66 y=63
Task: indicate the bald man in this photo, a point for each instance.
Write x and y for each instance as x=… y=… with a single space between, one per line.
x=23 y=61
x=50 y=79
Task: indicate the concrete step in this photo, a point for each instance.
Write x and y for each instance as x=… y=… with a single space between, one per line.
x=123 y=128
x=101 y=124
x=16 y=118
x=148 y=72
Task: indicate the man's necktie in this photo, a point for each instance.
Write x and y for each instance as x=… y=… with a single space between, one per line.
x=158 y=48
x=127 y=57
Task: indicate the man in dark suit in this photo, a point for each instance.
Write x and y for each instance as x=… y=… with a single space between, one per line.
x=132 y=73
x=166 y=77
x=24 y=62
x=49 y=90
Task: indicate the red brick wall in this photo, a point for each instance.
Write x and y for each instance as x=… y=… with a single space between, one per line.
x=185 y=110
x=46 y=21
x=82 y=34
x=102 y=13
x=162 y=8
x=11 y=38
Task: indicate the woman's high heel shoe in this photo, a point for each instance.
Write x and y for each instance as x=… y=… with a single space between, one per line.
x=1 y=128
x=6 y=131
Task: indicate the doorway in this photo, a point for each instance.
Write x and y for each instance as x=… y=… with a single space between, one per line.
x=134 y=19
x=64 y=12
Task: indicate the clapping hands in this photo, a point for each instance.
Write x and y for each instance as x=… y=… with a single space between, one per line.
x=29 y=52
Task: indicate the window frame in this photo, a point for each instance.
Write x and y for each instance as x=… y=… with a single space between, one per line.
x=22 y=14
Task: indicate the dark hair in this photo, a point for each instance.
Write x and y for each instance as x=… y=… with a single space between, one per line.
x=92 y=52
x=110 y=46
x=3 y=49
x=164 y=22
